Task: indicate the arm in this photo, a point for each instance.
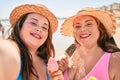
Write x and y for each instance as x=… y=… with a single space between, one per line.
x=9 y=61
x=114 y=68
x=69 y=72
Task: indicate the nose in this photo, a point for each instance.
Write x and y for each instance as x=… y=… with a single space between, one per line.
x=38 y=29
x=82 y=29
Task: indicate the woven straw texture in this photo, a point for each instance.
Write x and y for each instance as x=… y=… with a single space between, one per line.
x=106 y=18
x=32 y=8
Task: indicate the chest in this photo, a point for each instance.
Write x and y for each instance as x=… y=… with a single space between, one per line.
x=98 y=68
x=41 y=70
x=90 y=64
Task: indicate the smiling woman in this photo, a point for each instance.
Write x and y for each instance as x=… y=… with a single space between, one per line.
x=92 y=29
x=30 y=44
x=62 y=11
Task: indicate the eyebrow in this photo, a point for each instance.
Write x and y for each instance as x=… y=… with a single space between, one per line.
x=85 y=21
x=34 y=19
x=38 y=20
x=88 y=20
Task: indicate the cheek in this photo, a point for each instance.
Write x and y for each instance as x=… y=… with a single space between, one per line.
x=28 y=26
x=96 y=32
x=24 y=32
x=45 y=36
x=75 y=32
x=96 y=35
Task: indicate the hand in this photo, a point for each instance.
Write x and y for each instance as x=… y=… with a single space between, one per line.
x=63 y=64
x=58 y=75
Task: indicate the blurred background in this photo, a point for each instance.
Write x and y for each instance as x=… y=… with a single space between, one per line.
x=62 y=9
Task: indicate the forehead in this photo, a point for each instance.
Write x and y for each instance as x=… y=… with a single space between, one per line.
x=37 y=16
x=83 y=17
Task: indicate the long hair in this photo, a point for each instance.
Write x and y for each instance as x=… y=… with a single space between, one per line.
x=104 y=39
x=44 y=51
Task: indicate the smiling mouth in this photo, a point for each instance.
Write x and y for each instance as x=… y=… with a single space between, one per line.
x=84 y=36
x=36 y=35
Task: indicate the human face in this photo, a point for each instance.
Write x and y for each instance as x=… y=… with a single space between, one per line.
x=85 y=30
x=34 y=31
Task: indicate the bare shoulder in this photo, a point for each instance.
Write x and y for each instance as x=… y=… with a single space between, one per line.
x=9 y=50
x=115 y=60
x=9 y=60
x=115 y=65
x=115 y=57
x=7 y=45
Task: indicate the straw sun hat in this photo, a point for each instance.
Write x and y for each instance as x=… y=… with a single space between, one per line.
x=105 y=17
x=34 y=8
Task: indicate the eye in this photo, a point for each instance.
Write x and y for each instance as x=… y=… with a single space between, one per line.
x=44 y=28
x=33 y=23
x=77 y=26
x=89 y=24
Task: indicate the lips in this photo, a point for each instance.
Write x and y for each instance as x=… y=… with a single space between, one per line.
x=84 y=36
x=36 y=35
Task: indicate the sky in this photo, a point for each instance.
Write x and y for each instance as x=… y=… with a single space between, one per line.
x=61 y=8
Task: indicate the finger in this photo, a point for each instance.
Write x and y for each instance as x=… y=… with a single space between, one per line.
x=58 y=75
x=64 y=62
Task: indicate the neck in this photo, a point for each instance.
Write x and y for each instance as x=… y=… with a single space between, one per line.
x=95 y=50
x=33 y=52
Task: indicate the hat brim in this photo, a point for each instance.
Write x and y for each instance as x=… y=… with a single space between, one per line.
x=106 y=18
x=31 y=8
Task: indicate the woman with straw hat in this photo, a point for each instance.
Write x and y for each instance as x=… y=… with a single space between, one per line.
x=94 y=58
x=24 y=55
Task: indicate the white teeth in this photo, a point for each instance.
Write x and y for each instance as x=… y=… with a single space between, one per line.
x=84 y=35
